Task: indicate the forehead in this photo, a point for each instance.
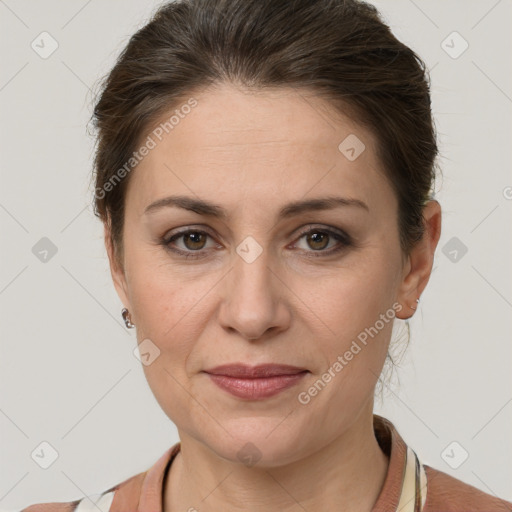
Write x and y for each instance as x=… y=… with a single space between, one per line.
x=238 y=145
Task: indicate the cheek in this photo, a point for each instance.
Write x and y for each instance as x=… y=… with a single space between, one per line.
x=353 y=336
x=355 y=309
x=352 y=298
x=168 y=309
x=166 y=303
x=170 y=312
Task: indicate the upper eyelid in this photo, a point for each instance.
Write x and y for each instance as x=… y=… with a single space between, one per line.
x=301 y=230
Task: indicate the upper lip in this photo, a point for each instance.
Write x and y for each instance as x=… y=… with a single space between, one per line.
x=247 y=371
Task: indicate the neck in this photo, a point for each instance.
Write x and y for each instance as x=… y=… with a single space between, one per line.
x=346 y=474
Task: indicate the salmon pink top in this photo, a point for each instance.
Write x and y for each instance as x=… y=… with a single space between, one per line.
x=409 y=486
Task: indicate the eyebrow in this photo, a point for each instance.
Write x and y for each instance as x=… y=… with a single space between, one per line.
x=207 y=208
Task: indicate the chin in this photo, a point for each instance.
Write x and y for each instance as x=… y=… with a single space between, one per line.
x=257 y=441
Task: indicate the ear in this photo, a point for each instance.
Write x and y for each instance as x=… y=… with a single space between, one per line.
x=116 y=268
x=419 y=262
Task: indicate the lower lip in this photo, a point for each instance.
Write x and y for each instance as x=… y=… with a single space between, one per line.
x=257 y=388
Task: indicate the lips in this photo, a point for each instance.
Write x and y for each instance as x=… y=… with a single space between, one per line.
x=244 y=371
x=256 y=382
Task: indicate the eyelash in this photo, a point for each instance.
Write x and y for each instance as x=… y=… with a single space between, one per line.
x=343 y=238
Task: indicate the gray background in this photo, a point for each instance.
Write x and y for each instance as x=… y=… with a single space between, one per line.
x=68 y=375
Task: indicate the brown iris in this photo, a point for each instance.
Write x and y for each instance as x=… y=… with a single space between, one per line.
x=195 y=238
x=315 y=237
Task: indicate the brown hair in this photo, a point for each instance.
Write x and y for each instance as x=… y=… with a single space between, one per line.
x=340 y=49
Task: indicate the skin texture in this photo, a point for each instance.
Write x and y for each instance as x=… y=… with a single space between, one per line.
x=252 y=152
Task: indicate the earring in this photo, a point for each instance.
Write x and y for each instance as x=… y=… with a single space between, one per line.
x=414 y=307
x=127 y=319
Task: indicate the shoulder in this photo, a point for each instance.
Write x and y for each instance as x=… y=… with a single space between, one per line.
x=69 y=506
x=98 y=502
x=95 y=503
x=447 y=494
x=144 y=487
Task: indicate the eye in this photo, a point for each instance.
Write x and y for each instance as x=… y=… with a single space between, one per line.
x=318 y=239
x=193 y=241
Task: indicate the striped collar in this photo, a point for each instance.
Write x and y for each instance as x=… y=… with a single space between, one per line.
x=404 y=489
x=405 y=486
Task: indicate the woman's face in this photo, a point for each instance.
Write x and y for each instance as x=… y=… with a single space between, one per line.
x=252 y=286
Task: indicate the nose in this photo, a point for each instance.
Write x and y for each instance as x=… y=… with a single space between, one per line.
x=254 y=299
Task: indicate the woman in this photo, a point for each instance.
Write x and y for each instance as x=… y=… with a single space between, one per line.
x=264 y=173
